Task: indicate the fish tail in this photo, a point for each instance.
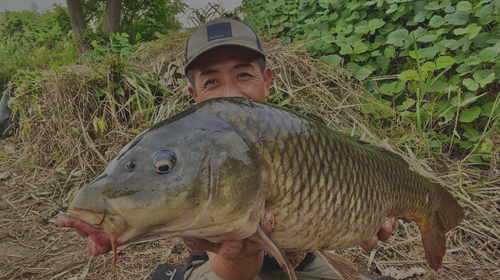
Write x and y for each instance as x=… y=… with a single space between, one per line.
x=447 y=216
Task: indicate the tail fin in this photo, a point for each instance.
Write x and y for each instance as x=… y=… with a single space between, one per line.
x=447 y=216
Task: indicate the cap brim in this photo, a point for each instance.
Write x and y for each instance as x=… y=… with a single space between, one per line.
x=202 y=52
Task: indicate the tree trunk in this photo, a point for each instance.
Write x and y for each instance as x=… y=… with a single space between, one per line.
x=112 y=17
x=77 y=23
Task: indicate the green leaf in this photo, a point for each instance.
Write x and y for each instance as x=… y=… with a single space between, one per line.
x=449 y=9
x=375 y=24
x=354 y=16
x=470 y=114
x=434 y=144
x=471 y=84
x=436 y=21
x=114 y=85
x=420 y=17
x=397 y=37
x=361 y=27
x=457 y=18
x=432 y=6
x=486 y=147
x=453 y=44
x=473 y=29
x=331 y=59
x=438 y=85
x=496 y=47
x=359 y=47
x=444 y=62
x=466 y=144
x=407 y=104
x=463 y=68
x=484 y=11
x=464 y=6
x=390 y=51
x=428 y=67
x=426 y=39
x=487 y=55
x=487 y=80
x=120 y=91
x=370 y=86
x=428 y=52
x=470 y=133
x=353 y=67
x=448 y=116
x=392 y=9
x=408 y=75
x=475 y=159
x=468 y=99
x=388 y=88
x=473 y=60
x=363 y=73
x=489 y=109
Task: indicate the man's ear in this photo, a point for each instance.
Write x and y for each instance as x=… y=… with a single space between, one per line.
x=268 y=75
x=193 y=93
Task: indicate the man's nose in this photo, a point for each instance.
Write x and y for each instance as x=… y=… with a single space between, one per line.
x=232 y=90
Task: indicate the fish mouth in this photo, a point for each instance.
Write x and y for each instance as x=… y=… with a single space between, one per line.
x=98 y=241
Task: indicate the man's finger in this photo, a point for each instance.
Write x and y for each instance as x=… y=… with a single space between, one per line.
x=387 y=229
x=198 y=245
x=267 y=222
x=370 y=244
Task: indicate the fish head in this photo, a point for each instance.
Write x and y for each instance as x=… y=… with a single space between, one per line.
x=189 y=176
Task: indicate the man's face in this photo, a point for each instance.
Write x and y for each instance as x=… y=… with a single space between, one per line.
x=229 y=72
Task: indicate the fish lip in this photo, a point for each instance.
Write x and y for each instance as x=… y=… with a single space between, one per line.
x=98 y=240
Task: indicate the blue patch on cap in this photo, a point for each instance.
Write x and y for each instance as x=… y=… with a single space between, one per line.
x=219 y=31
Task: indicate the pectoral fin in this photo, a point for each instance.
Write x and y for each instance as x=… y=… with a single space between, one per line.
x=344 y=268
x=294 y=258
x=263 y=241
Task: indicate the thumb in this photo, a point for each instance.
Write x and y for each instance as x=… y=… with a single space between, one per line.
x=267 y=222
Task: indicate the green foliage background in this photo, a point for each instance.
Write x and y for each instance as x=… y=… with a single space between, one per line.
x=31 y=41
x=432 y=64
x=140 y=19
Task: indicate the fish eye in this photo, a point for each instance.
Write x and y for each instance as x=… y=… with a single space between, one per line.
x=130 y=166
x=164 y=161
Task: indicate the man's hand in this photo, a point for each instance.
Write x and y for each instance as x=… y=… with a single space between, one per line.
x=231 y=249
x=234 y=259
x=384 y=234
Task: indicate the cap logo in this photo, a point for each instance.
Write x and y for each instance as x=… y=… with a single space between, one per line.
x=219 y=31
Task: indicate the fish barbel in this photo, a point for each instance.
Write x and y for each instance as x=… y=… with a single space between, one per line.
x=212 y=171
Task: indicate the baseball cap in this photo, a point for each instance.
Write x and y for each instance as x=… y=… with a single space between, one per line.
x=220 y=32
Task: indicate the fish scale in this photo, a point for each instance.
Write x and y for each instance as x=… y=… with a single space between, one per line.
x=229 y=161
x=300 y=151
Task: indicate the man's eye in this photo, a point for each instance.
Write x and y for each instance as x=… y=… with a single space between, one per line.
x=210 y=82
x=244 y=75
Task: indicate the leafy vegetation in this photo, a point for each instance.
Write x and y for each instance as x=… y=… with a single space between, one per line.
x=33 y=41
x=432 y=64
x=140 y=19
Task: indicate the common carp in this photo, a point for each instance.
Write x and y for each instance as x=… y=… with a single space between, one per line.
x=212 y=171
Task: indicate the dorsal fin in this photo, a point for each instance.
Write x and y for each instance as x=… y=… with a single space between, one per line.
x=312 y=116
x=380 y=149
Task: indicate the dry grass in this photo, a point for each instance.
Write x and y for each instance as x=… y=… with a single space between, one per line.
x=58 y=151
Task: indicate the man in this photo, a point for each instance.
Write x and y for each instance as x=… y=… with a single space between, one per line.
x=224 y=58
